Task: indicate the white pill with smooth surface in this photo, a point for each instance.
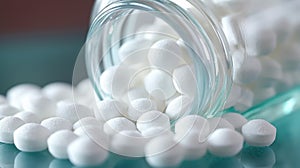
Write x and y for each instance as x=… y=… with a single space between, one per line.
x=138 y=107
x=193 y=147
x=165 y=54
x=95 y=133
x=225 y=142
x=14 y=94
x=159 y=84
x=259 y=132
x=58 y=143
x=54 y=124
x=84 y=152
x=72 y=111
x=40 y=105
x=84 y=88
x=8 y=125
x=192 y=122
x=159 y=150
x=7 y=110
x=115 y=80
x=31 y=137
x=116 y=125
x=155 y=132
x=87 y=121
x=136 y=93
x=235 y=119
x=135 y=51
x=178 y=107
x=184 y=80
x=153 y=119
x=128 y=143
x=28 y=117
x=58 y=91
x=108 y=109
x=218 y=122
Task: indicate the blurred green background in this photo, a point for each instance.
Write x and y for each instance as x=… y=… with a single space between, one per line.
x=40 y=40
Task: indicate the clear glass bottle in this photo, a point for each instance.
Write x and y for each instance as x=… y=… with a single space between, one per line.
x=242 y=52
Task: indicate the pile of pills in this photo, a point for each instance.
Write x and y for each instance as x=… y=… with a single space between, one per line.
x=70 y=129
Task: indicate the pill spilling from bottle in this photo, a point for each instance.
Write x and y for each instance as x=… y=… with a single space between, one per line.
x=85 y=132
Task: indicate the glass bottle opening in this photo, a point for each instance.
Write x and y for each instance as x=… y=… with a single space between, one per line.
x=187 y=23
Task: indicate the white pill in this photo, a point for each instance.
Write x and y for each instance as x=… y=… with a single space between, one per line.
x=192 y=122
x=134 y=52
x=28 y=117
x=218 y=122
x=115 y=80
x=7 y=110
x=245 y=101
x=178 y=107
x=108 y=109
x=40 y=105
x=234 y=95
x=193 y=147
x=128 y=143
x=259 y=132
x=159 y=84
x=164 y=151
x=73 y=112
x=87 y=121
x=15 y=93
x=84 y=152
x=155 y=132
x=249 y=71
x=153 y=119
x=225 y=142
x=138 y=107
x=235 y=119
x=31 y=137
x=56 y=123
x=95 y=133
x=85 y=88
x=165 y=54
x=8 y=125
x=116 y=125
x=184 y=80
x=2 y=100
x=58 y=143
x=136 y=93
x=58 y=91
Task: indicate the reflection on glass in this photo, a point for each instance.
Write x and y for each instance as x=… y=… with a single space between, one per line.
x=7 y=155
x=59 y=163
x=231 y=162
x=255 y=157
x=31 y=160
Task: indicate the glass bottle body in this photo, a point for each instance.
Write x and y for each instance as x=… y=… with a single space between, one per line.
x=242 y=53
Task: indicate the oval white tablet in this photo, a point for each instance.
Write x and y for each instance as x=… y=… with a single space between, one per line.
x=259 y=132
x=31 y=137
x=8 y=125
